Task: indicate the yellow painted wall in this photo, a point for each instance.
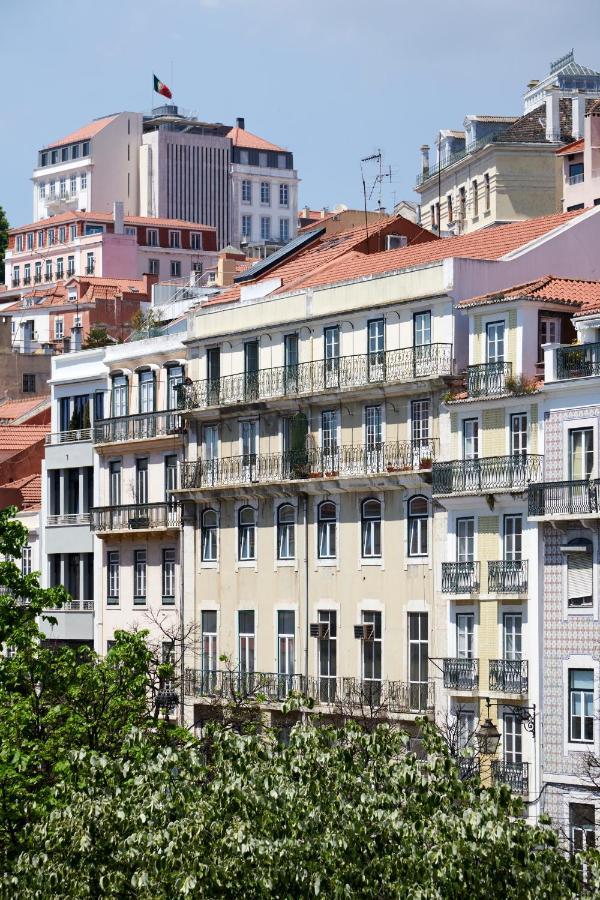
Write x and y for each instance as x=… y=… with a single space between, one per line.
x=493 y=438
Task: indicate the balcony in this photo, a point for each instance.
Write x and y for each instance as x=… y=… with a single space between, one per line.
x=576 y=179
x=37 y=279
x=344 y=373
x=509 y=676
x=567 y=499
x=488 y=475
x=460 y=577
x=461 y=674
x=341 y=462
x=89 y=269
x=69 y=519
x=469 y=767
x=68 y=437
x=579 y=361
x=139 y=427
x=135 y=517
x=48 y=276
x=15 y=282
x=507 y=576
x=70 y=273
x=488 y=379
x=513 y=774
x=27 y=280
x=348 y=694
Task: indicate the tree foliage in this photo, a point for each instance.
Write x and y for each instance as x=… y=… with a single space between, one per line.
x=97 y=336
x=3 y=241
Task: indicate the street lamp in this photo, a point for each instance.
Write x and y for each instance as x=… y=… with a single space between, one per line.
x=488 y=738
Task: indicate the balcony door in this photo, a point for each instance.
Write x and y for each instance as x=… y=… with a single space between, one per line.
x=371 y=658
x=209 y=661
x=213 y=364
x=114 y=484
x=210 y=452
x=331 y=342
x=290 y=372
x=329 y=440
x=581 y=454
x=373 y=438
x=246 y=649
x=513 y=740
x=465 y=635
x=141 y=482
x=518 y=434
x=376 y=349
x=249 y=433
x=494 y=342
x=286 y=660
x=146 y=404
x=327 y=656
x=418 y=661
x=465 y=554
x=251 y=370
x=513 y=637
x=422 y=344
x=119 y=396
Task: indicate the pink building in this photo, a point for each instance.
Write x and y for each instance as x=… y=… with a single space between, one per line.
x=581 y=165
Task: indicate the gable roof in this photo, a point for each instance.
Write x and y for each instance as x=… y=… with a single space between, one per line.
x=96 y=288
x=83 y=133
x=575 y=292
x=18 y=437
x=573 y=147
x=30 y=488
x=12 y=411
x=245 y=139
x=105 y=218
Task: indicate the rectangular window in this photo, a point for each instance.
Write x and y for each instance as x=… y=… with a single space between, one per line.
x=170 y=477
x=209 y=660
x=265 y=228
x=331 y=341
x=26 y=561
x=246 y=191
x=513 y=636
x=168 y=576
x=28 y=383
x=582 y=824
x=85 y=148
x=51 y=237
x=83 y=180
x=246 y=638
x=60 y=271
x=196 y=240
x=154 y=266
x=62 y=234
x=581 y=705
x=90 y=264
x=175 y=240
x=42 y=189
x=375 y=347
x=494 y=332
x=114 y=486
x=113 y=570
x=40 y=238
x=63 y=188
x=329 y=431
x=284 y=195
x=422 y=329
x=251 y=370
x=213 y=373
x=265 y=193
x=371 y=655
x=64 y=154
x=512 y=739
x=286 y=661
x=418 y=660
x=146 y=392
x=30 y=240
x=175 y=268
x=284 y=230
x=327 y=655
x=75 y=151
x=518 y=434
x=488 y=192
x=59 y=331
x=119 y=396
x=465 y=539
x=73 y=184
x=70 y=266
x=373 y=432
x=139 y=576
x=475 y=198
x=581 y=453
x=419 y=415
x=465 y=635
x=152 y=237
x=131 y=231
x=513 y=538
x=470 y=439
x=141 y=481
x=246 y=226
x=26 y=273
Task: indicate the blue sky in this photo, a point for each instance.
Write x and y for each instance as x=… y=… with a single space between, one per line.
x=332 y=80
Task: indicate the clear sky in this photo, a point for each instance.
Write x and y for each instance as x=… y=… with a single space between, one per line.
x=332 y=80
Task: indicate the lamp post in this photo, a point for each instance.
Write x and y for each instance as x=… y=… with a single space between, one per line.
x=488 y=736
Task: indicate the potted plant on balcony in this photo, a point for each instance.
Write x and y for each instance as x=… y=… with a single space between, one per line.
x=299 y=465
x=425 y=462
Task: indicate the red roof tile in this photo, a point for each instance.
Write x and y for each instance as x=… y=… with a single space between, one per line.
x=19 y=437
x=30 y=488
x=573 y=147
x=242 y=138
x=84 y=133
x=103 y=217
x=575 y=292
x=16 y=409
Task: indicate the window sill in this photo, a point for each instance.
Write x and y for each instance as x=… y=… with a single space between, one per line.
x=210 y=564
x=285 y=563
x=579 y=746
x=139 y=601
x=168 y=601
x=246 y=563
x=327 y=561
x=418 y=561
x=113 y=603
x=375 y=561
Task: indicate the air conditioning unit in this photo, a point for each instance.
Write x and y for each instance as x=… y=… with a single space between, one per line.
x=319 y=630
x=364 y=632
x=395 y=241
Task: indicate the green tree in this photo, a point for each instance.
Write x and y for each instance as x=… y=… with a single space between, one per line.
x=3 y=241
x=97 y=337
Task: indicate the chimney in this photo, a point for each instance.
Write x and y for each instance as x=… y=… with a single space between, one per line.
x=76 y=338
x=26 y=326
x=118 y=216
x=532 y=84
x=425 y=159
x=553 y=114
x=578 y=106
x=240 y=122
x=226 y=265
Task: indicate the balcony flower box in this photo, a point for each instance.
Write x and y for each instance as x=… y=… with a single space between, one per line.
x=331 y=474
x=425 y=462
x=398 y=468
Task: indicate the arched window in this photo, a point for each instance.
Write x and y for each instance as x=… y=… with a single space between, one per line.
x=286 y=539
x=579 y=553
x=246 y=533
x=418 y=510
x=210 y=525
x=371 y=529
x=327 y=516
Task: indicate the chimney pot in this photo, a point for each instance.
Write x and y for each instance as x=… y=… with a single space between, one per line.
x=533 y=83
x=240 y=123
x=578 y=107
x=118 y=217
x=425 y=159
x=553 y=115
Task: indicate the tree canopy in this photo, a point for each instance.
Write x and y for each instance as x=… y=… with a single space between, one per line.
x=3 y=241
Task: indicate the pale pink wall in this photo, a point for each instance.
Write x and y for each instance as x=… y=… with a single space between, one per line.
x=119 y=256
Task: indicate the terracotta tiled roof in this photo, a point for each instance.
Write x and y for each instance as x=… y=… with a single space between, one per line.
x=550 y=289
x=593 y=109
x=11 y=410
x=573 y=147
x=30 y=488
x=245 y=139
x=502 y=119
x=19 y=437
x=97 y=289
x=84 y=133
x=103 y=217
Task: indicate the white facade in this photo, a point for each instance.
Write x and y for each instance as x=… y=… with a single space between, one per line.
x=265 y=205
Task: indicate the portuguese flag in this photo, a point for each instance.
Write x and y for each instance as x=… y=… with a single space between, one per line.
x=161 y=88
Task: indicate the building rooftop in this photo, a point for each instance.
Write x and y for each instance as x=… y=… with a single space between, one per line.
x=16 y=411
x=575 y=292
x=14 y=438
x=573 y=147
x=245 y=139
x=92 y=289
x=104 y=218
x=30 y=488
x=83 y=134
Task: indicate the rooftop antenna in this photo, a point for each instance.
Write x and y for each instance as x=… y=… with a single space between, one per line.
x=368 y=159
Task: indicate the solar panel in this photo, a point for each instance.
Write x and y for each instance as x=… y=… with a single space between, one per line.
x=264 y=265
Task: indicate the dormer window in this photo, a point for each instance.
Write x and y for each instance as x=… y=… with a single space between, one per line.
x=152 y=237
x=175 y=240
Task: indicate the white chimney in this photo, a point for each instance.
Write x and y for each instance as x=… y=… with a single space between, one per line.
x=118 y=216
x=578 y=106
x=26 y=343
x=425 y=159
x=76 y=335
x=553 y=114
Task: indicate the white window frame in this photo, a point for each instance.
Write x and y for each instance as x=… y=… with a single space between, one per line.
x=168 y=572
x=175 y=239
x=289 y=559
x=246 y=560
x=113 y=577
x=369 y=528
x=209 y=562
x=246 y=191
x=140 y=576
x=196 y=240
x=580 y=661
x=265 y=193
x=575 y=424
x=327 y=560
x=59 y=332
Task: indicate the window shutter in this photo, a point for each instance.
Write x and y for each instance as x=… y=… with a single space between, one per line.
x=579 y=575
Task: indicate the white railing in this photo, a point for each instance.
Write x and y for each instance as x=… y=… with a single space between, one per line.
x=576 y=179
x=69 y=519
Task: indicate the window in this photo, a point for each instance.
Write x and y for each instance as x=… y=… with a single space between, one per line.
x=114 y=482
x=263 y=159
x=419 y=416
x=73 y=184
x=246 y=191
x=575 y=172
x=52 y=188
x=582 y=823
x=249 y=447
x=375 y=346
x=331 y=340
x=85 y=148
x=26 y=561
x=371 y=655
x=246 y=226
x=83 y=180
x=141 y=481
x=471 y=439
x=487 y=191
x=44 y=159
x=174 y=379
x=284 y=230
x=209 y=535
x=286 y=524
x=51 y=237
x=63 y=188
x=139 y=576
x=422 y=329
x=418 y=660
x=465 y=539
x=475 y=196
x=371 y=529
x=581 y=705
x=75 y=151
x=37 y=277
x=327 y=655
x=513 y=636
x=449 y=207
x=146 y=391
x=209 y=661
x=62 y=234
x=265 y=228
x=246 y=638
x=550 y=330
x=465 y=635
x=152 y=237
x=462 y=197
x=168 y=575
x=265 y=193
x=28 y=383
x=40 y=238
x=64 y=154
x=119 y=396
x=154 y=266
x=373 y=436
x=19 y=243
x=70 y=266
x=59 y=331
x=329 y=432
x=26 y=273
x=175 y=268
x=581 y=453
x=54 y=157
x=512 y=739
x=518 y=434
x=579 y=573
x=284 y=195
x=175 y=240
x=131 y=231
x=170 y=478
x=246 y=533
x=196 y=240
x=327 y=522
x=417 y=526
x=513 y=538
x=42 y=189
x=494 y=342
x=282 y=161
x=30 y=240
x=90 y=264
x=60 y=271
x=286 y=662
x=112 y=565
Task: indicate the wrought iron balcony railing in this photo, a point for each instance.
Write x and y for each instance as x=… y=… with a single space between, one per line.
x=487 y=475
x=579 y=361
x=142 y=426
x=135 y=517
x=509 y=675
x=235 y=685
x=468 y=767
x=513 y=774
x=564 y=498
x=460 y=577
x=507 y=576
x=461 y=674
x=487 y=379
x=342 y=373
x=90 y=269
x=346 y=461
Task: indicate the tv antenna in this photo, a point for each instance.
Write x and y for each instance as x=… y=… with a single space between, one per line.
x=377 y=182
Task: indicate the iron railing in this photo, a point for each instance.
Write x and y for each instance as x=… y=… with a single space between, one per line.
x=579 y=361
x=509 y=675
x=457 y=156
x=69 y=519
x=460 y=577
x=574 y=498
x=135 y=517
x=236 y=685
x=487 y=379
x=90 y=268
x=468 y=767
x=69 y=437
x=486 y=475
x=341 y=373
x=461 y=674
x=513 y=774
x=345 y=461
x=139 y=427
x=507 y=576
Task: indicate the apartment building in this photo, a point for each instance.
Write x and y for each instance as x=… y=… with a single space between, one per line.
x=499 y=169
x=580 y=161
